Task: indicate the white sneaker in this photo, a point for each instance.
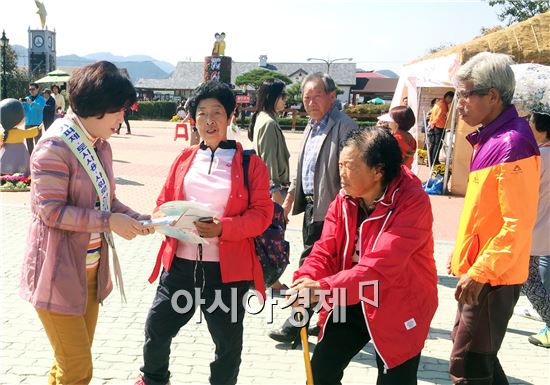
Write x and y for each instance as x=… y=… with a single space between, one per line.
x=527 y=312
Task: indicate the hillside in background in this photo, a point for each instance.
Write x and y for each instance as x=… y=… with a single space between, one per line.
x=138 y=66
x=165 y=66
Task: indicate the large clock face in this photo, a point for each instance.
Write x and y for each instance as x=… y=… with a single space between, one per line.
x=38 y=41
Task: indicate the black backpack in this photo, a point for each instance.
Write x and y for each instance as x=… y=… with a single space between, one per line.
x=271 y=247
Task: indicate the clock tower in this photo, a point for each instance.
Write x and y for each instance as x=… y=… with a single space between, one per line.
x=42 y=52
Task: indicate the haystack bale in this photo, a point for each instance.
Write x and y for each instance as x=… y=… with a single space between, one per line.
x=527 y=42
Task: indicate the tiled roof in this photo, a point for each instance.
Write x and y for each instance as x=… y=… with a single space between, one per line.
x=376 y=85
x=188 y=75
x=369 y=75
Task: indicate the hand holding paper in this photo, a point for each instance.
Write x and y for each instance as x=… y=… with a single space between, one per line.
x=179 y=219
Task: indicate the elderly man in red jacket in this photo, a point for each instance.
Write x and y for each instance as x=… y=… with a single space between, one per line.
x=377 y=246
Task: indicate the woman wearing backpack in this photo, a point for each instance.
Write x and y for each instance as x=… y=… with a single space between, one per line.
x=269 y=143
x=212 y=174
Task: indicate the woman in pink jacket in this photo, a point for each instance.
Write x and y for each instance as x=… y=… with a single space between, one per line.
x=376 y=246
x=74 y=211
x=217 y=274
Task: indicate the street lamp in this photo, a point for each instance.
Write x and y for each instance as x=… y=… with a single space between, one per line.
x=330 y=61
x=4 y=45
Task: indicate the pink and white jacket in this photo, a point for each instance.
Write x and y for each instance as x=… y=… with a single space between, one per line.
x=63 y=216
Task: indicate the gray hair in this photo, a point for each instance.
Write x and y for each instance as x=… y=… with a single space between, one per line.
x=490 y=70
x=327 y=81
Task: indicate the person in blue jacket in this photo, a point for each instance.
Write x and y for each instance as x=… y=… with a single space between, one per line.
x=34 y=108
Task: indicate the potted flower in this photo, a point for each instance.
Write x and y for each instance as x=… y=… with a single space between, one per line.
x=15 y=182
x=422 y=156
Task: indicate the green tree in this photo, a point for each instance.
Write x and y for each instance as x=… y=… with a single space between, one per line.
x=294 y=94
x=17 y=79
x=519 y=10
x=257 y=76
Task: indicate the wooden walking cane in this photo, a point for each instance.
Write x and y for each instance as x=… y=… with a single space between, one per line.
x=305 y=349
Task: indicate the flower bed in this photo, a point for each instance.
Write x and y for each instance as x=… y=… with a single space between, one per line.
x=14 y=183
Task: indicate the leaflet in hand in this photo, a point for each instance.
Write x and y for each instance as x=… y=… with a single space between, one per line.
x=162 y=221
x=184 y=213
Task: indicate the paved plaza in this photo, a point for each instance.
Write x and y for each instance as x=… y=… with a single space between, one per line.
x=141 y=162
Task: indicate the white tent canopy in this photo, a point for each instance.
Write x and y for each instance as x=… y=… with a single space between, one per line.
x=420 y=83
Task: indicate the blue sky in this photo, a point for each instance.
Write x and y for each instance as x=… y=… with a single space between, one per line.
x=376 y=34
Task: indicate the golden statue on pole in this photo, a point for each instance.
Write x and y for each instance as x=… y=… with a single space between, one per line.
x=41 y=11
x=219 y=45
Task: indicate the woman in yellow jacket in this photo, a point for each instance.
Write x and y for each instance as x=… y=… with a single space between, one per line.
x=14 y=157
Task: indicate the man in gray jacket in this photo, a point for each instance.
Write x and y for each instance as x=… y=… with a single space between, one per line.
x=317 y=180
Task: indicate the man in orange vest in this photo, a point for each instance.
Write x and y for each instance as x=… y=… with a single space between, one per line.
x=436 y=127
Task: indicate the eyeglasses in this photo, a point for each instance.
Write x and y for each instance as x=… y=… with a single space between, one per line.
x=464 y=94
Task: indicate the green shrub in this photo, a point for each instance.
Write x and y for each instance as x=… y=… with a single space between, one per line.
x=21 y=185
x=301 y=122
x=154 y=110
x=367 y=109
x=288 y=121
x=365 y=123
x=8 y=185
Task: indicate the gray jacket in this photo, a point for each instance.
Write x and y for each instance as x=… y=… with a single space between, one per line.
x=326 y=180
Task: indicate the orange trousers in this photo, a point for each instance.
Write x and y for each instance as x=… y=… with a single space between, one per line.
x=71 y=339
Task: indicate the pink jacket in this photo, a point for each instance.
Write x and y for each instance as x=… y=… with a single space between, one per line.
x=397 y=251
x=62 y=218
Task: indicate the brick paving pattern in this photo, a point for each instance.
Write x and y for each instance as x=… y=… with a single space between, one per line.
x=141 y=162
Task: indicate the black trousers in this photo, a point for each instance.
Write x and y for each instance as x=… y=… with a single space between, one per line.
x=435 y=136
x=477 y=336
x=32 y=141
x=342 y=341
x=164 y=322
x=311 y=232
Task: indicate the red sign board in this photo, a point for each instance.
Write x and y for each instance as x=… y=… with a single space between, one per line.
x=243 y=99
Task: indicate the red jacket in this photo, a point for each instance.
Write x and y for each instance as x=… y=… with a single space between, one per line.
x=241 y=221
x=397 y=251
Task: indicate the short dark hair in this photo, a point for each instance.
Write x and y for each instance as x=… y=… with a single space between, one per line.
x=35 y=85
x=451 y=94
x=56 y=86
x=379 y=149
x=212 y=89
x=403 y=116
x=99 y=88
x=542 y=123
